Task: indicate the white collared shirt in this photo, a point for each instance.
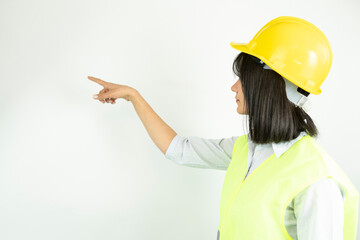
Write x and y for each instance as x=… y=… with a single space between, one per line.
x=317 y=212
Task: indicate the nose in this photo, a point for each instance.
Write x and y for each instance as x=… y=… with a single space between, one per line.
x=233 y=87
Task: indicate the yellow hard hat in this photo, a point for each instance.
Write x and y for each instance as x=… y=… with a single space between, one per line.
x=294 y=48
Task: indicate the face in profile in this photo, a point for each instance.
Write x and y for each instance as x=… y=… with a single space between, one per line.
x=239 y=97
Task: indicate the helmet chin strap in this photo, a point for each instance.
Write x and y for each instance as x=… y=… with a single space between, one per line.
x=296 y=97
x=292 y=93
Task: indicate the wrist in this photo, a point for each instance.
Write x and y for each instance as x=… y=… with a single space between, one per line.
x=133 y=94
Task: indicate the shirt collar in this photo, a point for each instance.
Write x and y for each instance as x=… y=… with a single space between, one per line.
x=281 y=147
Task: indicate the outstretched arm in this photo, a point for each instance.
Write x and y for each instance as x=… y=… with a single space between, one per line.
x=159 y=131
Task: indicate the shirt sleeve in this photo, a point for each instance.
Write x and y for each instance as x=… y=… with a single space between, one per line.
x=201 y=152
x=319 y=210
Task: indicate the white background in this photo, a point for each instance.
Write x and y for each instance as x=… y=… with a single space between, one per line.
x=74 y=168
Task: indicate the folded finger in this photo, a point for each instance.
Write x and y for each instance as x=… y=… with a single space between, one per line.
x=100 y=93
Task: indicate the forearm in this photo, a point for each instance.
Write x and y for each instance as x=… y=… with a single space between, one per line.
x=159 y=131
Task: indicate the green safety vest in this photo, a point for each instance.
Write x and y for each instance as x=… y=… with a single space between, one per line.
x=254 y=208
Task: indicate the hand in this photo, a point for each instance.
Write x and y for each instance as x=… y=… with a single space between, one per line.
x=112 y=91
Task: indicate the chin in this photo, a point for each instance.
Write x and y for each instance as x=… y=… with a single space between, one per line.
x=241 y=113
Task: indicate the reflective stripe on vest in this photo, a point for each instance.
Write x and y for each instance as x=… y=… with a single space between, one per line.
x=254 y=208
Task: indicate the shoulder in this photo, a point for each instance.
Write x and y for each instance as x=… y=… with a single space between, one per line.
x=326 y=186
x=324 y=192
x=242 y=138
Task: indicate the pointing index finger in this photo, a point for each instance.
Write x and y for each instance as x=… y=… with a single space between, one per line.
x=97 y=80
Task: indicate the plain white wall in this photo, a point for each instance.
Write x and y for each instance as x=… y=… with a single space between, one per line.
x=74 y=168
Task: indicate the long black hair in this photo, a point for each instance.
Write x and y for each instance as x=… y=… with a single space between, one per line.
x=272 y=117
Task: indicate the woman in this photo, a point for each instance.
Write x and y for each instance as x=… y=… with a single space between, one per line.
x=279 y=183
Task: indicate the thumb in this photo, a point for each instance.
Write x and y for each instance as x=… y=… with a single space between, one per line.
x=105 y=95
